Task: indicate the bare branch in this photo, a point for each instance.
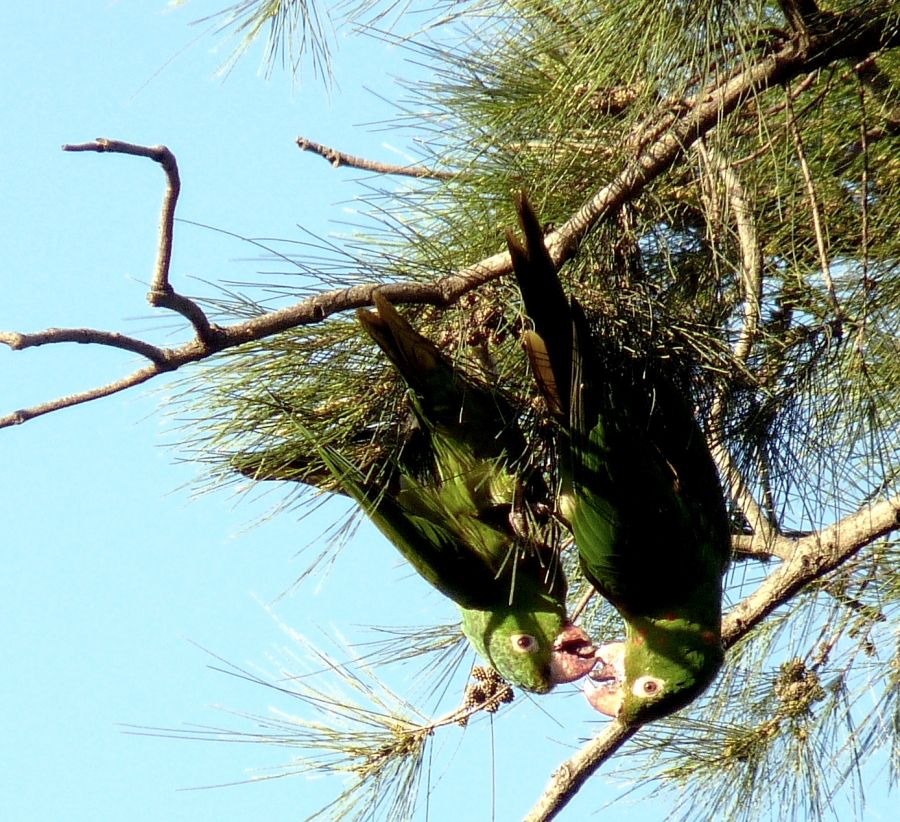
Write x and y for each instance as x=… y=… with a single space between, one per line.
x=575 y=771
x=25 y=414
x=582 y=603
x=751 y=286
x=311 y=310
x=751 y=259
x=161 y=293
x=818 y=227
x=810 y=558
x=339 y=158
x=85 y=336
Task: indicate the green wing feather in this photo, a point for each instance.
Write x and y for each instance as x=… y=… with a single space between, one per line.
x=478 y=473
x=432 y=549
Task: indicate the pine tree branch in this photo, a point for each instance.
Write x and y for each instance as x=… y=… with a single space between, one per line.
x=751 y=286
x=810 y=558
x=851 y=35
x=340 y=158
x=571 y=775
x=815 y=210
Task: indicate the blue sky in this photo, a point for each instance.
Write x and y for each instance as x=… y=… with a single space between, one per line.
x=114 y=566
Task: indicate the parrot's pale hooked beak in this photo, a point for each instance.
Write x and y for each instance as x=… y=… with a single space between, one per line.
x=604 y=687
x=573 y=655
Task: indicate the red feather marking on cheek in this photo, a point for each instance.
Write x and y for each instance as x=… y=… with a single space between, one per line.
x=710 y=637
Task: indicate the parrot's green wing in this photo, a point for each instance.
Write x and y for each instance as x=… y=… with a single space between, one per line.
x=421 y=537
x=641 y=493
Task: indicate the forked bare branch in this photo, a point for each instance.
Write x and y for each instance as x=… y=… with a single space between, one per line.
x=161 y=294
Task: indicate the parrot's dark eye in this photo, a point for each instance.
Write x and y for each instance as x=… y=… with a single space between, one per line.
x=647 y=686
x=523 y=643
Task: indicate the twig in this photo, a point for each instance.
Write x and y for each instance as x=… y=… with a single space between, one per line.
x=818 y=228
x=161 y=294
x=25 y=414
x=751 y=287
x=340 y=158
x=582 y=603
x=811 y=558
x=575 y=771
x=751 y=259
x=311 y=310
x=85 y=336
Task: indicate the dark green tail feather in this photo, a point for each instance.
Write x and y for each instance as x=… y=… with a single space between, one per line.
x=546 y=305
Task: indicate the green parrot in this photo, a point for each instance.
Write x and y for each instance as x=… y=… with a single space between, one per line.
x=640 y=492
x=464 y=510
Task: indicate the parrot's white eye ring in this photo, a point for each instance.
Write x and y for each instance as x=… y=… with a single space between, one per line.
x=647 y=686
x=523 y=643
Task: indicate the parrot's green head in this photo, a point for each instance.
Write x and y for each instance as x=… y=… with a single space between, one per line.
x=534 y=649
x=663 y=665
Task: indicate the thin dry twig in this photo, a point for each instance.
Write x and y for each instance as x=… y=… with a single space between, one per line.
x=85 y=336
x=133 y=379
x=751 y=277
x=161 y=294
x=815 y=211
x=582 y=603
x=569 y=777
x=340 y=158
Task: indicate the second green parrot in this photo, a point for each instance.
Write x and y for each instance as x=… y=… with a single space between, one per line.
x=641 y=494
x=465 y=511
